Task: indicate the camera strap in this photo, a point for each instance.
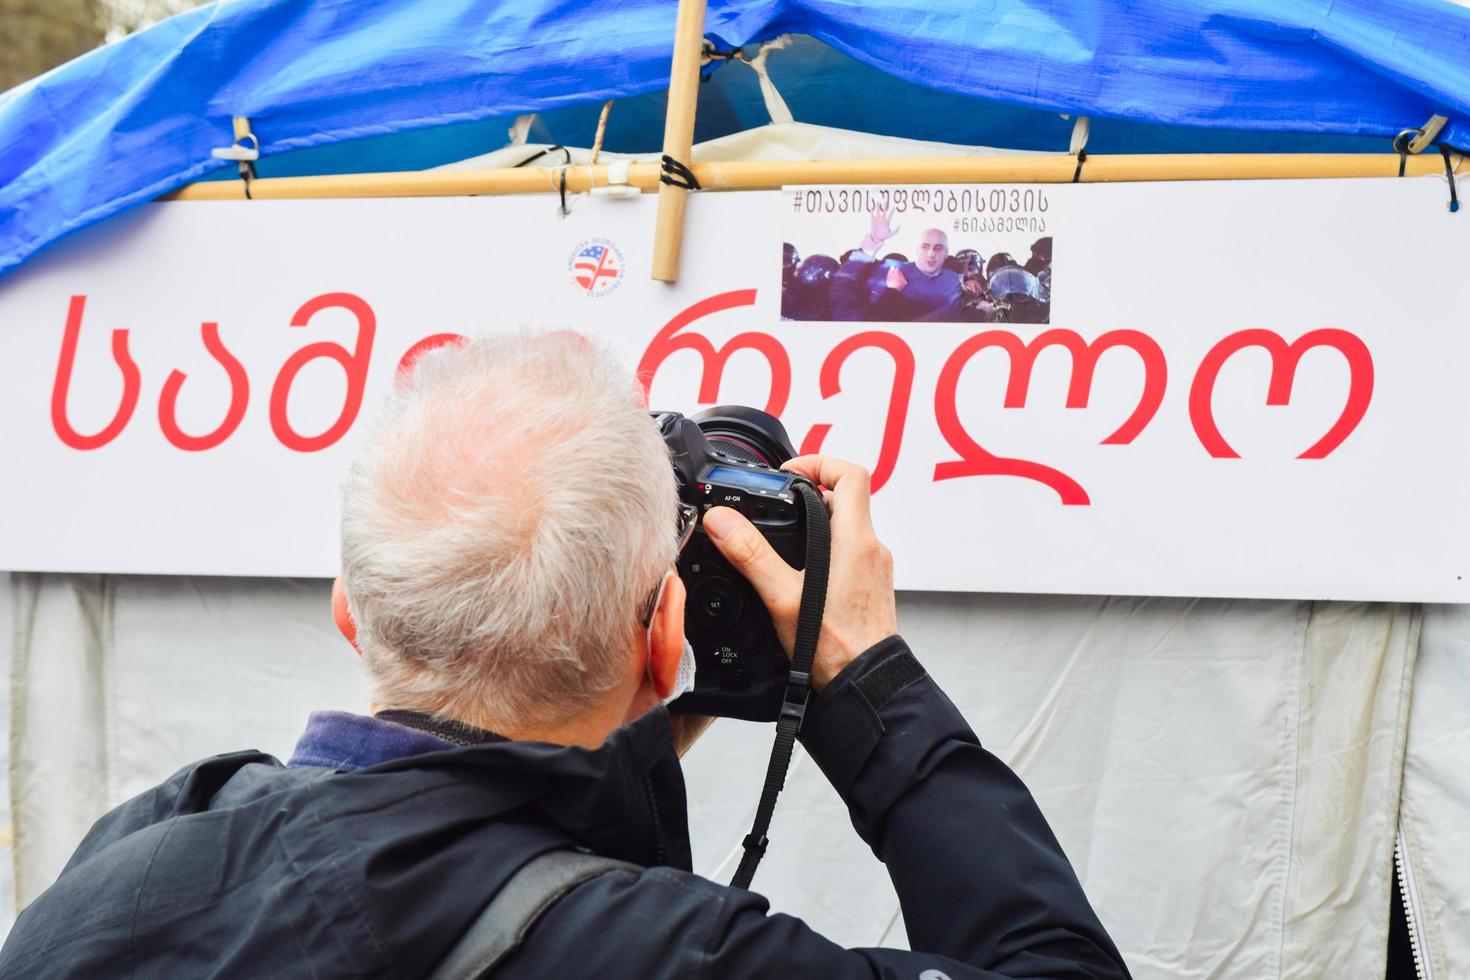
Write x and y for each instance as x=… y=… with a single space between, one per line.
x=799 y=681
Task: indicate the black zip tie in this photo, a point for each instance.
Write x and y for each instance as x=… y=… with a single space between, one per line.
x=1401 y=147
x=1081 y=159
x=677 y=175
x=1449 y=173
x=567 y=163
x=247 y=174
x=550 y=149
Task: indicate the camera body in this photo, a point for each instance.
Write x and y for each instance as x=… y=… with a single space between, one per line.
x=727 y=457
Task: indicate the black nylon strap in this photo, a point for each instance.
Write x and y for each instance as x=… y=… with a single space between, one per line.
x=798 y=685
x=504 y=923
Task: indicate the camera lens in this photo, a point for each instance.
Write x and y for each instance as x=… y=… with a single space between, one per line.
x=746 y=434
x=736 y=448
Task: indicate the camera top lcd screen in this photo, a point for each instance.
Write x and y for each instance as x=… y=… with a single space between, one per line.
x=749 y=479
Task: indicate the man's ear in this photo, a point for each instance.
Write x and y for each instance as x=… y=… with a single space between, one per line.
x=341 y=615
x=666 y=637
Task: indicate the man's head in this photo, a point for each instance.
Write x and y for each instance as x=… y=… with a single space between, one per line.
x=503 y=521
x=933 y=250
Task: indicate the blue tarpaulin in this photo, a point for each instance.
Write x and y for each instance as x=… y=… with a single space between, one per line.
x=405 y=82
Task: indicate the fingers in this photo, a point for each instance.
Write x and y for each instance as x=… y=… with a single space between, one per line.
x=753 y=557
x=849 y=483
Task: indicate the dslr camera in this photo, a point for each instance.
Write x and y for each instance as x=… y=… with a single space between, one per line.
x=728 y=456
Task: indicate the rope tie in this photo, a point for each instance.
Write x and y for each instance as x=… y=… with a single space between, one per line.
x=601 y=132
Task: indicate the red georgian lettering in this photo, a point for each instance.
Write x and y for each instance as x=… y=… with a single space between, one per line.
x=239 y=397
x=1284 y=360
x=62 y=385
x=977 y=461
x=898 y=397
x=664 y=343
x=354 y=363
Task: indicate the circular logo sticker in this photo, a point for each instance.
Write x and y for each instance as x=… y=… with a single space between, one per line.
x=596 y=267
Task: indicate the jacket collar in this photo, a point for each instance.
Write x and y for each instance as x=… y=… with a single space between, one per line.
x=625 y=799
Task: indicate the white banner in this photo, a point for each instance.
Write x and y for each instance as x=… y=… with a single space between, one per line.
x=1218 y=389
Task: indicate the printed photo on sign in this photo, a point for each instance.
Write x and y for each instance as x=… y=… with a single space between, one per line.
x=917 y=255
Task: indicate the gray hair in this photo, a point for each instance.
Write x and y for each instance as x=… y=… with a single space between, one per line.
x=501 y=522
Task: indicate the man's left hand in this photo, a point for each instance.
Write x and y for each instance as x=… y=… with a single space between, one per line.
x=687 y=729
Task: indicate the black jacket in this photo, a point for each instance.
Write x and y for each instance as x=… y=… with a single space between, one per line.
x=238 y=866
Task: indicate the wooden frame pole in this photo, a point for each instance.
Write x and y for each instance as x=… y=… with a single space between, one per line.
x=762 y=175
x=668 y=229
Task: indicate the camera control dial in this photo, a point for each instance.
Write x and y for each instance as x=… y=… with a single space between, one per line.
x=718 y=603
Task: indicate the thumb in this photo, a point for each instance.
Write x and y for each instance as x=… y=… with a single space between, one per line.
x=751 y=554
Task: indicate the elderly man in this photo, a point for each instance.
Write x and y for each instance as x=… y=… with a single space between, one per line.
x=917 y=290
x=509 y=535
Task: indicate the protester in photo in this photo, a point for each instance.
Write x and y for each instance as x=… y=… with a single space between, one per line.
x=855 y=288
x=509 y=536
x=1040 y=256
x=975 y=304
x=806 y=296
x=1015 y=292
x=1039 y=265
x=921 y=289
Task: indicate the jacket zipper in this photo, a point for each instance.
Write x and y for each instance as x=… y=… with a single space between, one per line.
x=1413 y=913
x=658 y=827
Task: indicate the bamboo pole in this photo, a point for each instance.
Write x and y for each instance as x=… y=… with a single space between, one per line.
x=771 y=175
x=668 y=229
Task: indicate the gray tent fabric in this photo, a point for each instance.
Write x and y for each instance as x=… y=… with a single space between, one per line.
x=117 y=681
x=7 y=829
x=1224 y=775
x=1435 y=811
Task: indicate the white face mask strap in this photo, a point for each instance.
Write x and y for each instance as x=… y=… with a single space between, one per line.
x=684 y=680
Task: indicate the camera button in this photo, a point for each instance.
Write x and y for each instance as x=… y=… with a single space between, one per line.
x=718 y=602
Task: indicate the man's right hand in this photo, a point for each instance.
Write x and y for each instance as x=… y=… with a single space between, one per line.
x=896 y=279
x=879 y=231
x=860 y=609
x=881 y=228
